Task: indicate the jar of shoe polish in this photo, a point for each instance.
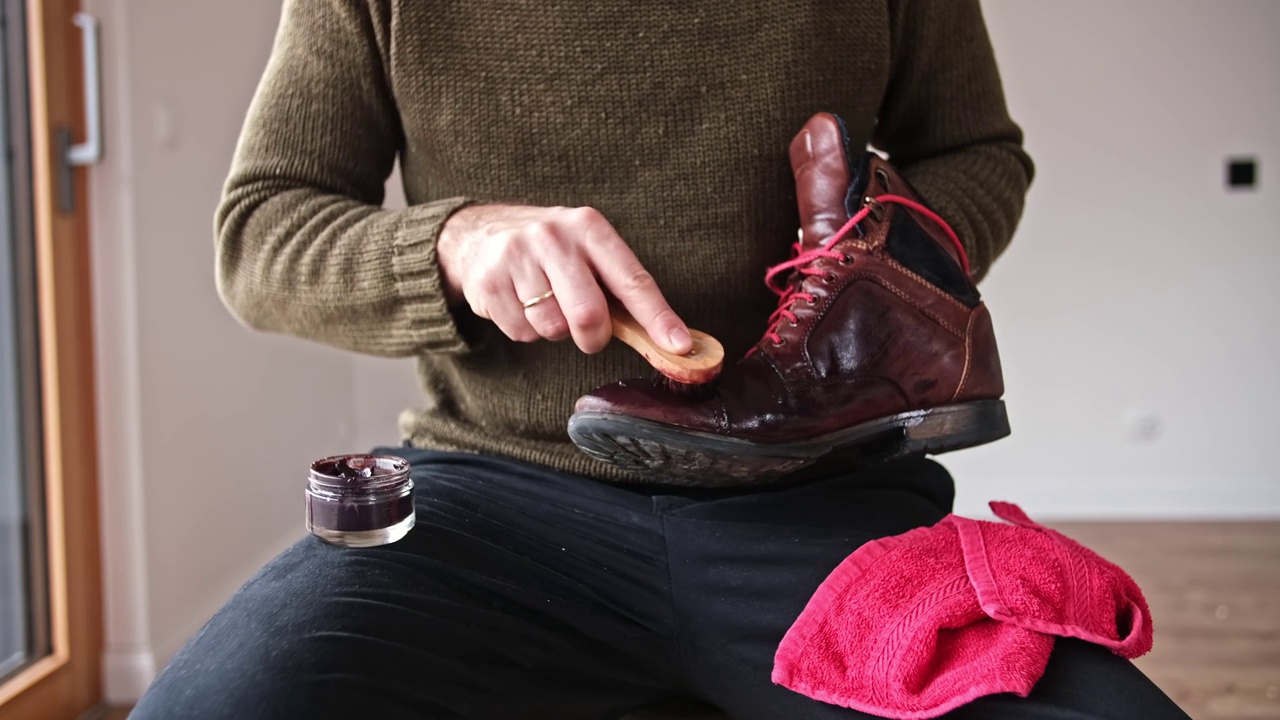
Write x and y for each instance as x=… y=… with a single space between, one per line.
x=360 y=500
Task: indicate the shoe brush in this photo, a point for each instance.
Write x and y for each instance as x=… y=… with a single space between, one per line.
x=689 y=374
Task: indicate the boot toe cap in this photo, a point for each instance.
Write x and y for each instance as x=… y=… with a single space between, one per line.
x=655 y=401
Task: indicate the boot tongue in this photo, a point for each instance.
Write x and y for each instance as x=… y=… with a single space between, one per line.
x=825 y=182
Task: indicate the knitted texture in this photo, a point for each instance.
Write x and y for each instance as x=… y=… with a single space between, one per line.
x=671 y=118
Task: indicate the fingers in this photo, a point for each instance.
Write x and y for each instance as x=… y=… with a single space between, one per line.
x=524 y=253
x=582 y=303
x=496 y=299
x=559 y=263
x=544 y=316
x=628 y=281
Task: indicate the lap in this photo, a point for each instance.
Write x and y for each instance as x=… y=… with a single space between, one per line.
x=497 y=604
x=1082 y=682
x=522 y=593
x=744 y=569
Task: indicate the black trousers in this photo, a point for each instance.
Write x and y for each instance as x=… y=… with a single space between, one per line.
x=524 y=593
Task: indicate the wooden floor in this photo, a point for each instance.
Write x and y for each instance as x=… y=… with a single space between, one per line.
x=1214 y=590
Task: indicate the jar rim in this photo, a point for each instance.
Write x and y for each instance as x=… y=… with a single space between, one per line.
x=360 y=471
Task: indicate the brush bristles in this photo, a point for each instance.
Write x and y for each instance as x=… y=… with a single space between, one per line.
x=692 y=391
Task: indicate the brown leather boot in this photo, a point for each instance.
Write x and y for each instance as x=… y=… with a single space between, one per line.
x=881 y=347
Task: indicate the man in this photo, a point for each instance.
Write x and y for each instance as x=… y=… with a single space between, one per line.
x=555 y=154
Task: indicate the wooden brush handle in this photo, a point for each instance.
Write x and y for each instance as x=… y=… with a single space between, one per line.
x=701 y=365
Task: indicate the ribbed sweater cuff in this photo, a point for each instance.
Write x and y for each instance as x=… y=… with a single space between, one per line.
x=944 y=191
x=424 y=312
x=972 y=191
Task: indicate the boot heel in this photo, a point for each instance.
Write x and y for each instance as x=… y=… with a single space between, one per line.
x=955 y=427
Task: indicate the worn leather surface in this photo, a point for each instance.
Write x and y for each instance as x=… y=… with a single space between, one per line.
x=822 y=179
x=876 y=340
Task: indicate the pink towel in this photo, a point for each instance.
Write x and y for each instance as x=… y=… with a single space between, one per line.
x=915 y=625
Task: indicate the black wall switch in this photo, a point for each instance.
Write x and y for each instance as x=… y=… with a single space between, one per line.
x=1242 y=173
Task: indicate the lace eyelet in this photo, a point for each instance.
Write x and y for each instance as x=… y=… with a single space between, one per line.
x=883 y=177
x=846 y=259
x=829 y=277
x=877 y=209
x=780 y=342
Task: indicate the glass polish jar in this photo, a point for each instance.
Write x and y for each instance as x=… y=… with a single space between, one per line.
x=360 y=500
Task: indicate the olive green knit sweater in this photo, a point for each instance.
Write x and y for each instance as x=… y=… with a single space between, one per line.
x=672 y=117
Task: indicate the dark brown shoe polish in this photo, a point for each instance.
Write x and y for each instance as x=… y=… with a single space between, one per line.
x=360 y=500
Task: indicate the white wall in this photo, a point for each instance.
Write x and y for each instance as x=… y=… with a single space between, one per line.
x=1139 y=291
x=207 y=429
x=1134 y=309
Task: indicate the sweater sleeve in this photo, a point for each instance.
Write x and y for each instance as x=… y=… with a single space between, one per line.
x=945 y=125
x=303 y=244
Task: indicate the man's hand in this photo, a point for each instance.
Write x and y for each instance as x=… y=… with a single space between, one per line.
x=495 y=257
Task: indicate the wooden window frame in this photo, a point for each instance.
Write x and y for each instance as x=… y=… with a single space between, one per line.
x=67 y=682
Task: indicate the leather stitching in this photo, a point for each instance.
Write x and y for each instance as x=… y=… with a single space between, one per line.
x=849 y=280
x=891 y=262
x=968 y=355
x=777 y=371
x=928 y=313
x=860 y=244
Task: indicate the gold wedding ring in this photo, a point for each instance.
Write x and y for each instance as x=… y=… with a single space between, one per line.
x=544 y=296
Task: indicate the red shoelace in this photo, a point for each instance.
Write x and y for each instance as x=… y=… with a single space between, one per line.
x=789 y=293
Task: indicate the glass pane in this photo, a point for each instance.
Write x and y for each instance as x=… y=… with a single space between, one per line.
x=23 y=610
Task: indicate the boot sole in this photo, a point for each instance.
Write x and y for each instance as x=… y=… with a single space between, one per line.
x=672 y=455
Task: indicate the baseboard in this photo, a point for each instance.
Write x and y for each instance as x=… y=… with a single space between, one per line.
x=125 y=676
